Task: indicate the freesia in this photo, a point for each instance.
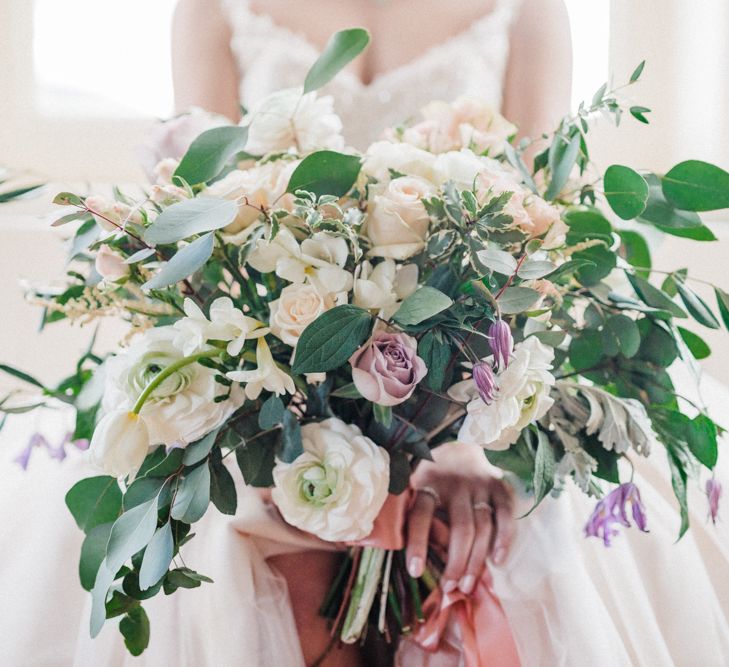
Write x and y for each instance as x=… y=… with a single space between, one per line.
x=266 y=376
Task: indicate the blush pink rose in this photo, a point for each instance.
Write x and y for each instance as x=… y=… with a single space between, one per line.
x=386 y=369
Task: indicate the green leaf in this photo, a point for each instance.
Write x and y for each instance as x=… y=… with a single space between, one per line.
x=639 y=113
x=637 y=252
x=93 y=551
x=585 y=350
x=699 y=233
x=517 y=299
x=188 y=260
x=291 y=447
x=722 y=300
x=694 y=185
x=210 y=152
x=197 y=451
x=222 y=487
x=256 y=460
x=603 y=262
x=130 y=533
x=544 y=469
x=19 y=192
x=662 y=213
x=68 y=199
x=637 y=72
x=562 y=157
x=587 y=224
x=94 y=500
x=655 y=297
x=329 y=341
x=183 y=577
x=695 y=344
x=104 y=579
x=157 y=557
x=678 y=482
x=621 y=336
x=696 y=306
x=498 y=261
x=167 y=466
x=568 y=268
x=701 y=440
x=190 y=217
x=626 y=191
x=382 y=414
x=348 y=391
x=533 y=269
x=272 y=413
x=142 y=490
x=325 y=173
x=343 y=47
x=420 y=305
x=135 y=630
x=657 y=345
x=193 y=495
x=607 y=461
x=21 y=375
x=436 y=353
x=399 y=472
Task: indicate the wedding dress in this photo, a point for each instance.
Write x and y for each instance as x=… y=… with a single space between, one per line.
x=570 y=601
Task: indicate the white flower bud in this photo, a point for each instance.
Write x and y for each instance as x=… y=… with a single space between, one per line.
x=120 y=443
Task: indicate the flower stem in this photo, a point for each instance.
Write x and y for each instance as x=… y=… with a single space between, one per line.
x=164 y=374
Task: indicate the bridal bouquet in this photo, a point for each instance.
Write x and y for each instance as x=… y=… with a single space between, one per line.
x=324 y=318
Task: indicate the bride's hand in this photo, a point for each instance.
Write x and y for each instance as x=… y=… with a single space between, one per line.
x=478 y=508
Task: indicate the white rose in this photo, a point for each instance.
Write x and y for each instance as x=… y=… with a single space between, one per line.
x=397 y=222
x=382 y=156
x=336 y=488
x=288 y=119
x=261 y=186
x=120 y=443
x=522 y=397
x=296 y=308
x=182 y=409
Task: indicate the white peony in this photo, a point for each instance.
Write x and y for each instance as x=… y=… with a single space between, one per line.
x=259 y=187
x=267 y=375
x=319 y=260
x=120 y=443
x=397 y=222
x=383 y=156
x=522 y=397
x=382 y=287
x=182 y=409
x=296 y=308
x=288 y=119
x=336 y=488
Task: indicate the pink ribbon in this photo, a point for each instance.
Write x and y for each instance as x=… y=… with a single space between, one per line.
x=472 y=627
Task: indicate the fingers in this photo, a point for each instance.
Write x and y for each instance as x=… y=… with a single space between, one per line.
x=463 y=533
x=505 y=523
x=419 y=519
x=483 y=523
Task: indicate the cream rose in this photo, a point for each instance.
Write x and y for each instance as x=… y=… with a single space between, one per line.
x=336 y=488
x=296 y=308
x=397 y=222
x=183 y=408
x=382 y=156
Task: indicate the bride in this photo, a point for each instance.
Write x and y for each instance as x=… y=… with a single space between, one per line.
x=569 y=601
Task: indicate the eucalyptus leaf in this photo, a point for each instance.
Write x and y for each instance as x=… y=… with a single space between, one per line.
x=157 y=557
x=272 y=412
x=626 y=191
x=517 y=299
x=545 y=467
x=222 y=486
x=636 y=251
x=325 y=173
x=694 y=185
x=104 y=579
x=197 y=451
x=93 y=551
x=135 y=629
x=190 y=217
x=535 y=268
x=382 y=414
x=291 y=446
x=130 y=533
x=210 y=152
x=620 y=336
x=343 y=47
x=187 y=261
x=678 y=482
x=94 y=500
x=421 y=305
x=193 y=495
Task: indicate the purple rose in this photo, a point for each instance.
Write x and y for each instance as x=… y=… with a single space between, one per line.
x=386 y=369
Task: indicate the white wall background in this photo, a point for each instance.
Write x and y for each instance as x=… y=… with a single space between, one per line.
x=82 y=79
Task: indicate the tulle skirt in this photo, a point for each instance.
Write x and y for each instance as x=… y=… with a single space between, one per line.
x=645 y=600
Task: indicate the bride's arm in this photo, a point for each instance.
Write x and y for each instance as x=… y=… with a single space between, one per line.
x=203 y=68
x=539 y=73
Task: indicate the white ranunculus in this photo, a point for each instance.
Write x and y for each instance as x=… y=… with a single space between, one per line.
x=183 y=408
x=319 y=260
x=296 y=308
x=383 y=156
x=397 y=222
x=288 y=119
x=522 y=397
x=267 y=375
x=383 y=286
x=120 y=443
x=260 y=186
x=336 y=488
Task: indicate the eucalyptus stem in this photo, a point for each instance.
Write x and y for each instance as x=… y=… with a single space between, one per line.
x=167 y=372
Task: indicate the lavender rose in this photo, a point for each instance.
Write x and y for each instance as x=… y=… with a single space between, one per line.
x=386 y=369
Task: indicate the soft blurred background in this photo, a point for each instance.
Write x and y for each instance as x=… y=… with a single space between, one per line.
x=81 y=80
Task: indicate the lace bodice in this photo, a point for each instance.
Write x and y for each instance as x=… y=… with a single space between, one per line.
x=471 y=63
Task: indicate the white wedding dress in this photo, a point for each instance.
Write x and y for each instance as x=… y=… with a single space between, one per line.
x=570 y=601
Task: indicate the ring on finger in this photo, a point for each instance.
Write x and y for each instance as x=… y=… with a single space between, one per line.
x=483 y=505
x=430 y=491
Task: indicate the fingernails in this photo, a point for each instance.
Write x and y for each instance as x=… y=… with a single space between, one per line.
x=467 y=583
x=415 y=567
x=449 y=586
x=499 y=555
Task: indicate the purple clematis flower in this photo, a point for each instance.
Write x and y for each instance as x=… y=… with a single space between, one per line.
x=612 y=510
x=502 y=343
x=483 y=377
x=37 y=440
x=713 y=491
